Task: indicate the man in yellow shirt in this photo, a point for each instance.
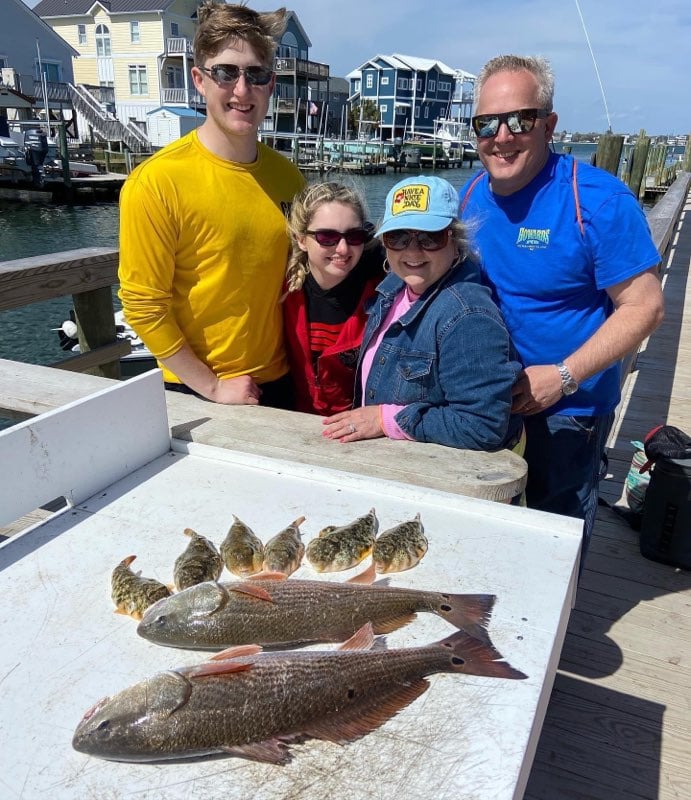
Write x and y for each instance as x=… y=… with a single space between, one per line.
x=203 y=240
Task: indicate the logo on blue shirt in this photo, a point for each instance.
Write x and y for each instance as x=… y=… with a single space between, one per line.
x=533 y=238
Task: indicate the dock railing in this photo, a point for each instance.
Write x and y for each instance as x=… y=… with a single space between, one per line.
x=89 y=275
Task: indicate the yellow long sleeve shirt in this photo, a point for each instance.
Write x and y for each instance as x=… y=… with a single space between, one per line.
x=203 y=251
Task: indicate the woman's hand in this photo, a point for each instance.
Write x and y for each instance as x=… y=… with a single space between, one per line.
x=350 y=426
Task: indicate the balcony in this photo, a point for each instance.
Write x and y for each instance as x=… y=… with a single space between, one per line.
x=178 y=45
x=312 y=70
x=180 y=97
x=57 y=92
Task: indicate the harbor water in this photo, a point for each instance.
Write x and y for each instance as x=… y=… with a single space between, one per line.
x=30 y=229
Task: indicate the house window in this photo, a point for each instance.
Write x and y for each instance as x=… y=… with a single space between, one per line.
x=444 y=86
x=385 y=80
x=370 y=80
x=383 y=108
x=426 y=112
x=102 y=41
x=403 y=83
x=174 y=29
x=138 y=80
x=419 y=84
x=432 y=86
x=134 y=31
x=417 y=112
x=81 y=34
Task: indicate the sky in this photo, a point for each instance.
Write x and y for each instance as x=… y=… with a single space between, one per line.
x=641 y=49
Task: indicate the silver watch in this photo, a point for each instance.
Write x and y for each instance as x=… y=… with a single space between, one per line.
x=568 y=383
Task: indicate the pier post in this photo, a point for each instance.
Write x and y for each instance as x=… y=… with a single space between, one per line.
x=609 y=152
x=638 y=159
x=96 y=325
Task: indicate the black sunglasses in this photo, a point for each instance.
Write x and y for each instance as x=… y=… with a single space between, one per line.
x=520 y=121
x=327 y=237
x=427 y=240
x=229 y=73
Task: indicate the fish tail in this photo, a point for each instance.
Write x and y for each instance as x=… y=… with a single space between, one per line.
x=468 y=612
x=473 y=657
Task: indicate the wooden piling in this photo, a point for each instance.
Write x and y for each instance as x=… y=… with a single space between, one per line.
x=637 y=162
x=609 y=152
x=96 y=326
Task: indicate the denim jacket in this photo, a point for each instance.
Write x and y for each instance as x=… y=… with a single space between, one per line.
x=449 y=360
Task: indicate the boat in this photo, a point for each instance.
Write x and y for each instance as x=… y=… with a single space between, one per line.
x=136 y=362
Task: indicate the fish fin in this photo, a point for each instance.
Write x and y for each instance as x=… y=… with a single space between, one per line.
x=468 y=612
x=127 y=561
x=362 y=639
x=272 y=751
x=297 y=522
x=268 y=576
x=473 y=657
x=122 y=609
x=394 y=623
x=208 y=668
x=189 y=532
x=362 y=716
x=253 y=591
x=365 y=577
x=236 y=652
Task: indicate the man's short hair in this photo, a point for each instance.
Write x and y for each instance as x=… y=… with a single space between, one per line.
x=536 y=65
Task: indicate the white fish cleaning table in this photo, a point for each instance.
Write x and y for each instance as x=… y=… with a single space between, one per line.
x=133 y=490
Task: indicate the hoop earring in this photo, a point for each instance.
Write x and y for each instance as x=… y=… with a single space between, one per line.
x=386 y=266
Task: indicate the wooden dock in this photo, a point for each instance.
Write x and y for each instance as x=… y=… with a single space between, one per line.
x=617 y=723
x=617 y=726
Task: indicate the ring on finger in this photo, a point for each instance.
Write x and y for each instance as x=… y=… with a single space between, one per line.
x=351 y=428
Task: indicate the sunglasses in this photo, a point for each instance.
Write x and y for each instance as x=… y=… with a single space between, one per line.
x=426 y=240
x=327 y=237
x=520 y=121
x=227 y=74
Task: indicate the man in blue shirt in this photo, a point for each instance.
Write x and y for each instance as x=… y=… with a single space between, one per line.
x=567 y=252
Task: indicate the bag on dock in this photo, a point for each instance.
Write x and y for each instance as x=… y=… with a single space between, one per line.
x=666 y=520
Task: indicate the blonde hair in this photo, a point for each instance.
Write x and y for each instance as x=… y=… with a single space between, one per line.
x=302 y=211
x=222 y=24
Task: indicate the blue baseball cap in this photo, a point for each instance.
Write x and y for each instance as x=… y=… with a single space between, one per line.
x=421 y=204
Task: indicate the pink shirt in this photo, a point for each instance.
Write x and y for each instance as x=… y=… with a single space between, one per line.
x=402 y=303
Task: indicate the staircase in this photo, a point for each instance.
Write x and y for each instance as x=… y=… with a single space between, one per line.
x=106 y=126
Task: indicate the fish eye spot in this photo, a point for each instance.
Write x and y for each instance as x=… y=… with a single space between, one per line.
x=459 y=662
x=103 y=728
x=160 y=621
x=445 y=607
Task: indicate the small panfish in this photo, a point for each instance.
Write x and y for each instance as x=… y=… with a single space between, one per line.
x=199 y=562
x=284 y=552
x=133 y=594
x=253 y=704
x=242 y=551
x=401 y=547
x=269 y=609
x=344 y=546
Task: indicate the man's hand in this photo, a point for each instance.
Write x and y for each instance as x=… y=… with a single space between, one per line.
x=536 y=389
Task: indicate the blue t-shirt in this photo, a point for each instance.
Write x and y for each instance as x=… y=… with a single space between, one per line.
x=547 y=277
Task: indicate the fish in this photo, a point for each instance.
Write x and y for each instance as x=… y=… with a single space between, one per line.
x=253 y=704
x=242 y=551
x=199 y=562
x=284 y=552
x=341 y=547
x=133 y=594
x=270 y=610
x=401 y=547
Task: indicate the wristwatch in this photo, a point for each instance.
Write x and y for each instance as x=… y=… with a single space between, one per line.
x=568 y=384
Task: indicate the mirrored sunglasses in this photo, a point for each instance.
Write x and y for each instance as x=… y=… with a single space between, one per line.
x=426 y=240
x=229 y=73
x=520 y=121
x=327 y=237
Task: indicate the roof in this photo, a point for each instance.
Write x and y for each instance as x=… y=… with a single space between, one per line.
x=75 y=8
x=400 y=61
x=177 y=111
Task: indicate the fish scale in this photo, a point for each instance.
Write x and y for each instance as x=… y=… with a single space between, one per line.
x=254 y=705
x=288 y=612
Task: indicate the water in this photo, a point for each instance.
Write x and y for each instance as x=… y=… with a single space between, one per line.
x=29 y=229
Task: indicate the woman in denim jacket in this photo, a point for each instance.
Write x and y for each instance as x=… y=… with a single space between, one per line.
x=437 y=363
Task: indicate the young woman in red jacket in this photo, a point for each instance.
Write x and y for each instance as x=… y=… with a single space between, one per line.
x=333 y=270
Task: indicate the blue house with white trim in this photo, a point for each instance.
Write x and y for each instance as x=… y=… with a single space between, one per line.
x=412 y=94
